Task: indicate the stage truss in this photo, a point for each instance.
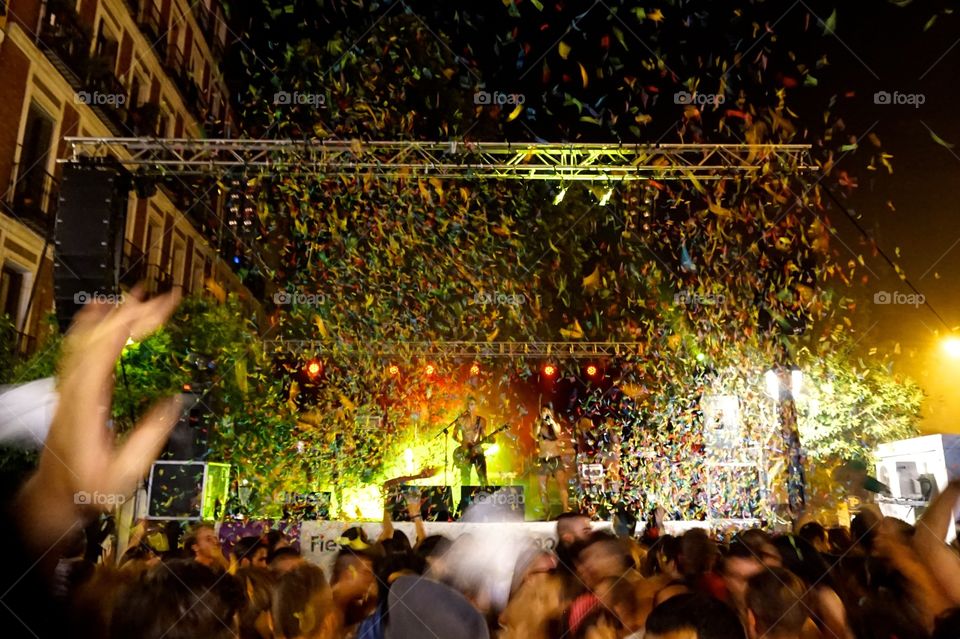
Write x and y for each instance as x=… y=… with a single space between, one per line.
x=555 y=162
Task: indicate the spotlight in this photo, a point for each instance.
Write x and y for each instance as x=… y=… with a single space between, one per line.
x=314 y=368
x=430 y=369
x=475 y=369
x=951 y=346
x=606 y=196
x=591 y=370
x=394 y=370
x=549 y=370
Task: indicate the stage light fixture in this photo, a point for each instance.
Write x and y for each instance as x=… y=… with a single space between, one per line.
x=951 y=346
x=605 y=198
x=591 y=370
x=314 y=368
x=475 y=369
x=562 y=193
x=430 y=370
x=394 y=370
x=549 y=370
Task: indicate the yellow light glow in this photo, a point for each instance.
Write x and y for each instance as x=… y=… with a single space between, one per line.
x=951 y=346
x=362 y=502
x=493 y=449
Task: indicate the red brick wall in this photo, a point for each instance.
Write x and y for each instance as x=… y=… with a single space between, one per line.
x=14 y=68
x=88 y=12
x=26 y=13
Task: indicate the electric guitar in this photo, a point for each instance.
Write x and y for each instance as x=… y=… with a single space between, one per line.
x=463 y=452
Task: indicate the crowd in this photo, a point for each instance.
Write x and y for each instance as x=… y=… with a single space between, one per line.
x=880 y=579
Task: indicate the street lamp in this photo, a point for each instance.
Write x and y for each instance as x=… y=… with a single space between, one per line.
x=951 y=345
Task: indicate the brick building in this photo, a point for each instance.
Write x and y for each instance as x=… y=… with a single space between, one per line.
x=110 y=68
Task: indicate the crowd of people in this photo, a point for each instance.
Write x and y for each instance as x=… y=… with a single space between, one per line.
x=879 y=579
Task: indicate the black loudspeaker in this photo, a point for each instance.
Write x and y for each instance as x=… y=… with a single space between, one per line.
x=189 y=440
x=88 y=237
x=175 y=490
x=436 y=502
x=496 y=503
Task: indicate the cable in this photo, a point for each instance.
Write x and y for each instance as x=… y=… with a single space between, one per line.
x=884 y=255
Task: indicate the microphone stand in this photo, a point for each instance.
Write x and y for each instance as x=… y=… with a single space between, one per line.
x=446 y=445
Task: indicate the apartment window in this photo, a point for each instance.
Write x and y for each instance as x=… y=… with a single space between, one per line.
x=106 y=49
x=178 y=263
x=152 y=249
x=197 y=284
x=32 y=191
x=11 y=290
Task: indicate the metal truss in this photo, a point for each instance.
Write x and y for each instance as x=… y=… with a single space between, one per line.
x=466 y=350
x=452 y=160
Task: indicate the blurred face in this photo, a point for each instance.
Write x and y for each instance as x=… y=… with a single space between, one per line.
x=207 y=546
x=575 y=530
x=597 y=563
x=285 y=564
x=737 y=571
x=472 y=406
x=259 y=558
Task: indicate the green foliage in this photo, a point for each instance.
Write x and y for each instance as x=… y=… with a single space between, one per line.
x=854 y=404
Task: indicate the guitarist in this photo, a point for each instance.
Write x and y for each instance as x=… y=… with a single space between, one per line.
x=469 y=434
x=550 y=457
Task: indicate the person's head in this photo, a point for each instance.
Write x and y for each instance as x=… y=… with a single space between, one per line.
x=472 y=404
x=602 y=557
x=256 y=617
x=275 y=539
x=138 y=558
x=250 y=551
x=203 y=545
x=740 y=564
x=572 y=528
x=816 y=534
x=698 y=553
x=839 y=539
x=693 y=616
x=355 y=583
x=775 y=607
x=663 y=558
x=303 y=605
x=761 y=545
x=284 y=559
x=180 y=599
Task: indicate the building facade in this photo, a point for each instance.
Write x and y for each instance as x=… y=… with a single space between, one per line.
x=111 y=68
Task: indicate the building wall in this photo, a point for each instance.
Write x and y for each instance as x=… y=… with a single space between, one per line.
x=37 y=69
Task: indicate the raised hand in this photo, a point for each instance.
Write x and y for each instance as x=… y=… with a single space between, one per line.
x=80 y=461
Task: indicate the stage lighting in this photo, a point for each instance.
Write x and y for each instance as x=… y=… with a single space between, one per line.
x=430 y=369
x=796 y=382
x=773 y=383
x=394 y=370
x=493 y=449
x=606 y=196
x=951 y=346
x=314 y=367
x=549 y=370
x=475 y=369
x=591 y=370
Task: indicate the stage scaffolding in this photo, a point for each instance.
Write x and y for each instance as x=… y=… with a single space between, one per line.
x=553 y=162
x=558 y=163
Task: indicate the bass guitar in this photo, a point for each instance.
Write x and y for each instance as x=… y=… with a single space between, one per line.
x=463 y=452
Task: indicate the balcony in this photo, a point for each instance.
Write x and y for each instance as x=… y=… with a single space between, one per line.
x=135 y=268
x=63 y=36
x=134 y=6
x=35 y=200
x=153 y=30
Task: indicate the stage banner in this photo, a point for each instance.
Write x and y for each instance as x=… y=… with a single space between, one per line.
x=318 y=539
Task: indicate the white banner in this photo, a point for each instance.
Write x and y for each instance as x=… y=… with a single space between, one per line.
x=318 y=539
